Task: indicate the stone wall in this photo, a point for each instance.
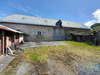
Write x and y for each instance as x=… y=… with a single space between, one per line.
x=77 y=32
x=97 y=38
x=47 y=32
x=31 y=30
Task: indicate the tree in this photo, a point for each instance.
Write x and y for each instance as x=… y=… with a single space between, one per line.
x=95 y=27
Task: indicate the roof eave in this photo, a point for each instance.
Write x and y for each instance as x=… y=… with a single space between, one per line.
x=41 y=24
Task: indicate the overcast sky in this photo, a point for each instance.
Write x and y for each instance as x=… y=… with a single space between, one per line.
x=83 y=11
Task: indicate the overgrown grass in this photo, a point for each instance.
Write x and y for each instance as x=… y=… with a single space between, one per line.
x=70 y=54
x=83 y=50
x=43 y=53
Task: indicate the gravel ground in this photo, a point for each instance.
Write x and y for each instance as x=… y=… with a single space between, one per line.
x=30 y=45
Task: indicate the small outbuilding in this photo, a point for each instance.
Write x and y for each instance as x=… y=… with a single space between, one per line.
x=8 y=38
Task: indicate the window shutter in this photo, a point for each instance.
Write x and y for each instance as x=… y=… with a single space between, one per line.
x=36 y=33
x=41 y=33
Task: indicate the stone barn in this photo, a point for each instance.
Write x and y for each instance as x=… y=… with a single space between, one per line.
x=43 y=29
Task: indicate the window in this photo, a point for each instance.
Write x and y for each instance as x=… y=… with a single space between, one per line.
x=39 y=33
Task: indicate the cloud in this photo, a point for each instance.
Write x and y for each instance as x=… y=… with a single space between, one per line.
x=22 y=8
x=34 y=14
x=19 y=7
x=28 y=7
x=89 y=23
x=96 y=15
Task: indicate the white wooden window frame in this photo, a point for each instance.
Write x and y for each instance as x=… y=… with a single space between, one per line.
x=39 y=33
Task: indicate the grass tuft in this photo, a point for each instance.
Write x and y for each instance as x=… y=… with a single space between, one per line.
x=34 y=56
x=25 y=51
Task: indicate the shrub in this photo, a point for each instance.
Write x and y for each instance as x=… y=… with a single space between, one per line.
x=89 y=42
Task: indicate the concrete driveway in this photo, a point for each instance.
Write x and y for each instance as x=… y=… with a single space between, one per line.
x=4 y=61
x=29 y=45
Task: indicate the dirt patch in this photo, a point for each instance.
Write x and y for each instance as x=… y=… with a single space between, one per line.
x=39 y=69
x=22 y=69
x=63 y=64
x=58 y=67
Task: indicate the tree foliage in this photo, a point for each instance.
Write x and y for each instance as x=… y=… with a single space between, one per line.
x=95 y=27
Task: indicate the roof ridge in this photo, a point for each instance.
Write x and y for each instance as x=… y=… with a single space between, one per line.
x=42 y=18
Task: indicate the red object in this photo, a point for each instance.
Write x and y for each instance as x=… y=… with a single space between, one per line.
x=17 y=39
x=7 y=42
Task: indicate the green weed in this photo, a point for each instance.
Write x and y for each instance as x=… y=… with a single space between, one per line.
x=34 y=56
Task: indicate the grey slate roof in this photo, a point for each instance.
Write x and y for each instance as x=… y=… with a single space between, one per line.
x=16 y=18
x=9 y=29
